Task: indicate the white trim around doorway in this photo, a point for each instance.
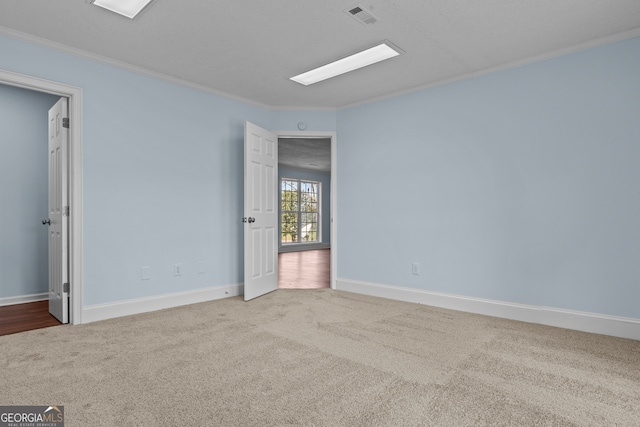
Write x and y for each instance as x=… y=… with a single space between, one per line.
x=334 y=194
x=74 y=94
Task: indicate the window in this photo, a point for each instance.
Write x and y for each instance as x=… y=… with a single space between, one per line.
x=300 y=211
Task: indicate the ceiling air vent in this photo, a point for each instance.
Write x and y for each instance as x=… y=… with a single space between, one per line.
x=362 y=15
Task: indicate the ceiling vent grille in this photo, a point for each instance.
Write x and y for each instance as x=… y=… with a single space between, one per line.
x=362 y=15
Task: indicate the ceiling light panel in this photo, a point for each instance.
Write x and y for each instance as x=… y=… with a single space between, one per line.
x=128 y=8
x=380 y=52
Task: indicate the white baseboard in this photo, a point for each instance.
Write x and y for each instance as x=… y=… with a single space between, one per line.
x=21 y=299
x=623 y=327
x=97 y=312
x=303 y=247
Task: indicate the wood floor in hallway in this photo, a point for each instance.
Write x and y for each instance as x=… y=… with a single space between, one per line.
x=26 y=317
x=304 y=269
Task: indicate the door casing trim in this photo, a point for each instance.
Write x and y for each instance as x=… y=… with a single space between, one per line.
x=74 y=95
x=333 y=221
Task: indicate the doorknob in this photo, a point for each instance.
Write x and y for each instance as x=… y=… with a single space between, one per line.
x=251 y=220
x=46 y=221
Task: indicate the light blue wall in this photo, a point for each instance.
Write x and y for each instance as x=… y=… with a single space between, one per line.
x=23 y=191
x=163 y=175
x=521 y=185
x=315 y=120
x=325 y=180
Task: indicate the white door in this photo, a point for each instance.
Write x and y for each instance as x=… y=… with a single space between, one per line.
x=261 y=211
x=58 y=212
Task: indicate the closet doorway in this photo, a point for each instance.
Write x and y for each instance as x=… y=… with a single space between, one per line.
x=25 y=298
x=24 y=186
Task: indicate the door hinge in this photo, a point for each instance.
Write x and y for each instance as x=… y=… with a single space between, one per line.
x=65 y=288
x=65 y=211
x=65 y=122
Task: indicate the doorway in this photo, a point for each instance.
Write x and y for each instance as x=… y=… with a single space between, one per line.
x=24 y=186
x=305 y=211
x=74 y=173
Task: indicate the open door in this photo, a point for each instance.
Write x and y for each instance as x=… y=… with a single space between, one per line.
x=261 y=211
x=58 y=220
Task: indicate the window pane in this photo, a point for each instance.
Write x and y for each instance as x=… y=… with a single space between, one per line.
x=289 y=195
x=299 y=211
x=309 y=227
x=308 y=196
x=289 y=227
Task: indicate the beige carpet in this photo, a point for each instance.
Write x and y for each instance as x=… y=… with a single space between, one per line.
x=322 y=358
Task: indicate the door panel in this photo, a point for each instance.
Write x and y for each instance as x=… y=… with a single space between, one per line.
x=260 y=200
x=58 y=213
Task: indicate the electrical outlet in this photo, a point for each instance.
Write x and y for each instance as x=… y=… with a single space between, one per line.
x=415 y=268
x=145 y=273
x=201 y=267
x=177 y=270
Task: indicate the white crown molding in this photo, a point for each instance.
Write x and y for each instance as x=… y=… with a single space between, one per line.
x=94 y=313
x=140 y=70
x=514 y=64
x=623 y=327
x=298 y=109
x=123 y=65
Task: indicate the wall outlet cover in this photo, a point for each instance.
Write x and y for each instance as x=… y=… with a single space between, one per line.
x=415 y=268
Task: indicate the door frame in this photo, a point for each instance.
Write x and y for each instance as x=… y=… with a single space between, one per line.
x=333 y=221
x=74 y=171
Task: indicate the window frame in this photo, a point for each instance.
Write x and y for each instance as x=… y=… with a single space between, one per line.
x=299 y=213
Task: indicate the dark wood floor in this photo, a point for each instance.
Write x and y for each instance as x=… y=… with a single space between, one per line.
x=26 y=317
x=304 y=269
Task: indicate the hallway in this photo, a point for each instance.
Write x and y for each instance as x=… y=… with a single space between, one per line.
x=304 y=269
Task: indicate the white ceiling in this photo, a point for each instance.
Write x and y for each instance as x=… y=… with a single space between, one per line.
x=310 y=153
x=248 y=49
